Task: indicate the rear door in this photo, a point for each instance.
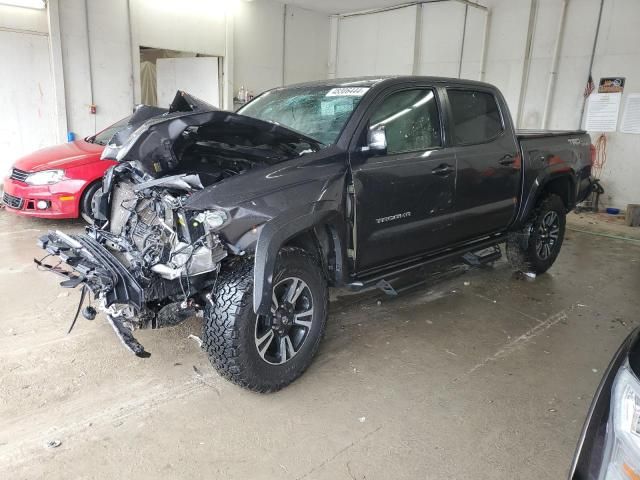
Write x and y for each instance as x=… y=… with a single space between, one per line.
x=404 y=198
x=489 y=163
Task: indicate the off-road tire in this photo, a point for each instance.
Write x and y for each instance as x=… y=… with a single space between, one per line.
x=86 y=211
x=521 y=245
x=230 y=322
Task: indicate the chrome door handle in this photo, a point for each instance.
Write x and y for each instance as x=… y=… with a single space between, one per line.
x=508 y=159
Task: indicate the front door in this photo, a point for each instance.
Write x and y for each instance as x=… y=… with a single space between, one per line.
x=404 y=198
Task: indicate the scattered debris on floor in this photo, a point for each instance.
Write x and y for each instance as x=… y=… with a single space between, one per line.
x=54 y=443
x=197 y=339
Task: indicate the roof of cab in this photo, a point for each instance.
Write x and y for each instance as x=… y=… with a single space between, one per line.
x=371 y=81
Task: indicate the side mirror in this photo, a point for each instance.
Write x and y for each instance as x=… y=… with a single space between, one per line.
x=376 y=141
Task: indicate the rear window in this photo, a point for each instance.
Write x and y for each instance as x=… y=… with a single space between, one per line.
x=476 y=117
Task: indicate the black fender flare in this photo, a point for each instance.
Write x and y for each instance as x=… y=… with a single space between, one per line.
x=272 y=237
x=539 y=186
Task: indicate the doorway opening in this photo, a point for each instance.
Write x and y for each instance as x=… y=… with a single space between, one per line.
x=163 y=72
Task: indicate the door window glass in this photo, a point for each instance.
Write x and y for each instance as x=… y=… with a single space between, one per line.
x=476 y=117
x=411 y=121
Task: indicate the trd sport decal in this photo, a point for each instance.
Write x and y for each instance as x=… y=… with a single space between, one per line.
x=391 y=218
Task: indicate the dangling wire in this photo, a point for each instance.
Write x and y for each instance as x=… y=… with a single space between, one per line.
x=82 y=295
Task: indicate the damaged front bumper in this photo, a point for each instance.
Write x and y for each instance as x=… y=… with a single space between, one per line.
x=92 y=264
x=96 y=268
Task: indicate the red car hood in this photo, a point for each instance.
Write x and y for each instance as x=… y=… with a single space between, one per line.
x=67 y=155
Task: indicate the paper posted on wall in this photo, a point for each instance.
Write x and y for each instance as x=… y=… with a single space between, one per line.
x=611 y=85
x=602 y=112
x=631 y=114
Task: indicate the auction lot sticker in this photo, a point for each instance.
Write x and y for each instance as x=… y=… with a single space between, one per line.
x=347 y=92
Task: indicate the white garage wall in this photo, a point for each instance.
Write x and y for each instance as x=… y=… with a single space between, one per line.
x=98 y=65
x=185 y=25
x=110 y=60
x=440 y=44
x=385 y=42
x=196 y=75
x=474 y=37
x=264 y=59
x=27 y=101
x=258 y=45
x=505 y=48
x=306 y=45
x=75 y=61
x=617 y=54
x=366 y=46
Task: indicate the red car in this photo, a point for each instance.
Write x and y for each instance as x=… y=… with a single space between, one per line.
x=59 y=181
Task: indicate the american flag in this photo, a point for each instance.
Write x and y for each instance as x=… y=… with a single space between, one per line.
x=590 y=87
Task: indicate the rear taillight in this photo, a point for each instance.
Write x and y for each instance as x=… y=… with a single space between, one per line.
x=593 y=153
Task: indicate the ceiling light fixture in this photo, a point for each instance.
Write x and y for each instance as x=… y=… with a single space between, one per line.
x=37 y=4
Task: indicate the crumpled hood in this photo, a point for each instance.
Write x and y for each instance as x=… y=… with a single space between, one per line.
x=66 y=155
x=154 y=142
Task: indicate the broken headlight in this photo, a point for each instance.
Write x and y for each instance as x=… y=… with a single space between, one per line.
x=212 y=219
x=622 y=451
x=45 y=177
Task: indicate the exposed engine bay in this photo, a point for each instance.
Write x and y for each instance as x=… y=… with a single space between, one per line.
x=152 y=232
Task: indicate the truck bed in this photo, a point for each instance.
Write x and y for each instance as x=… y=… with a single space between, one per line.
x=548 y=153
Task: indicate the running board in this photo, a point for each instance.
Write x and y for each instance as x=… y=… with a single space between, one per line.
x=482 y=257
x=478 y=254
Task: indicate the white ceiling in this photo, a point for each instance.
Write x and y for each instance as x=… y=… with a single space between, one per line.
x=344 y=6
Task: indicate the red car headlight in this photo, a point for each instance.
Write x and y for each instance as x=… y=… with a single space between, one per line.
x=45 y=177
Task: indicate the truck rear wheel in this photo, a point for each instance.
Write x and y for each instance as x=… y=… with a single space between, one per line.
x=536 y=250
x=265 y=353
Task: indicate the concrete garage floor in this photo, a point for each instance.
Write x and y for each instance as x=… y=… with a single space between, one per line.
x=480 y=376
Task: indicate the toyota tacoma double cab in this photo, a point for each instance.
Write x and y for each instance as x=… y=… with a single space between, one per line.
x=248 y=218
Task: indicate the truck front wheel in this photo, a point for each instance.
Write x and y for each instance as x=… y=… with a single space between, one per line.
x=535 y=249
x=265 y=353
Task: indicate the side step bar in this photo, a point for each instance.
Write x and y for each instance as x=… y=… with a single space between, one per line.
x=478 y=254
x=482 y=257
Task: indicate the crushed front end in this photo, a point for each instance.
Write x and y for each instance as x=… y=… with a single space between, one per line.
x=150 y=263
x=161 y=235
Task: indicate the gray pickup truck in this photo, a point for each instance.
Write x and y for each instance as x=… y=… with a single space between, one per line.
x=248 y=218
